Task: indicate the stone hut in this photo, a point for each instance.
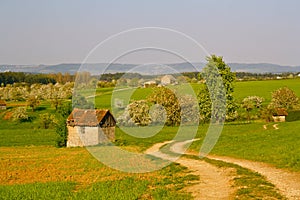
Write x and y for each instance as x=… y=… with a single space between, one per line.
x=90 y=127
x=2 y=105
x=281 y=113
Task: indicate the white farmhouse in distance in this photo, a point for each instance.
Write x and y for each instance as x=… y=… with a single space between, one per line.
x=168 y=79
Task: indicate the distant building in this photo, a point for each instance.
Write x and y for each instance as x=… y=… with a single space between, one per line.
x=167 y=80
x=281 y=113
x=90 y=127
x=2 y=105
x=150 y=84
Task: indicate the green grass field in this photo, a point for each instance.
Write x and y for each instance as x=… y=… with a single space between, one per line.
x=242 y=90
x=33 y=168
x=251 y=141
x=264 y=88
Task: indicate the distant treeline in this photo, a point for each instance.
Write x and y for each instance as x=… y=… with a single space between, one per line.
x=246 y=75
x=29 y=78
x=264 y=76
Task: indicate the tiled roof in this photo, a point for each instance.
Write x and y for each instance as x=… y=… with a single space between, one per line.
x=86 y=117
x=281 y=112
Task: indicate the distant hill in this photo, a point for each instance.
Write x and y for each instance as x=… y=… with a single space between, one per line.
x=99 y=68
x=262 y=68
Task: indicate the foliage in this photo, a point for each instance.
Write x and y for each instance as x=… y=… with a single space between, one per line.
x=65 y=109
x=20 y=114
x=58 y=93
x=20 y=77
x=135 y=114
x=105 y=84
x=293 y=116
x=189 y=110
x=56 y=102
x=109 y=77
x=219 y=87
x=62 y=132
x=139 y=112
x=124 y=119
x=251 y=102
x=158 y=115
x=267 y=113
x=61 y=127
x=284 y=98
x=80 y=101
x=204 y=105
x=33 y=102
x=47 y=120
x=167 y=98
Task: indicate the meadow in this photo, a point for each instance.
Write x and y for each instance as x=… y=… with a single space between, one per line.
x=33 y=168
x=242 y=89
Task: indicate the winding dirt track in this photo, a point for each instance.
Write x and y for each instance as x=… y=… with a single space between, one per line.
x=215 y=183
x=287 y=182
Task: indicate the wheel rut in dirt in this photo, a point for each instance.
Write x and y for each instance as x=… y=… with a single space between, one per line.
x=215 y=183
x=286 y=181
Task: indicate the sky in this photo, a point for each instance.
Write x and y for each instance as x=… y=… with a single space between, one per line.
x=65 y=31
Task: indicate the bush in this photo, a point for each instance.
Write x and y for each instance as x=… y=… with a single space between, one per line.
x=293 y=116
x=125 y=119
x=267 y=113
x=250 y=103
x=20 y=114
x=62 y=132
x=158 y=115
x=167 y=98
x=47 y=120
x=136 y=113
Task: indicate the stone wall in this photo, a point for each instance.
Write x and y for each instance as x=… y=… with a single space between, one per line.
x=82 y=136
x=89 y=136
x=279 y=118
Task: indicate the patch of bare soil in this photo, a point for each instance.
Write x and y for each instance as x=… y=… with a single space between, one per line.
x=286 y=181
x=215 y=183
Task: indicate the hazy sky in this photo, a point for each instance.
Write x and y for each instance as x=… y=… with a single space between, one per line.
x=64 y=31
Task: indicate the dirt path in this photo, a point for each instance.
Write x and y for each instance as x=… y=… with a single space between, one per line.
x=215 y=183
x=287 y=182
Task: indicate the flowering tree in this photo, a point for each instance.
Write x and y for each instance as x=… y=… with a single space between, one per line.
x=33 y=102
x=20 y=114
x=284 y=98
x=167 y=98
x=251 y=102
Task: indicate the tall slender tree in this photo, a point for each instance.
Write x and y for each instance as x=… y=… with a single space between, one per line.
x=219 y=88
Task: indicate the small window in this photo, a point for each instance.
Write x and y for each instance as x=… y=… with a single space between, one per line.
x=82 y=130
